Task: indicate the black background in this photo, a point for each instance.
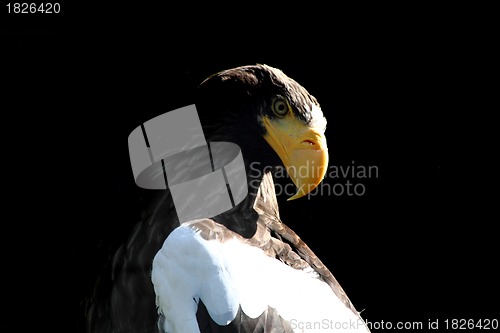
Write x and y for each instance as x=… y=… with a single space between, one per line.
x=418 y=245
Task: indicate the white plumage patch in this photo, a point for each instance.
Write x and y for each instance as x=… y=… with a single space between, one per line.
x=225 y=275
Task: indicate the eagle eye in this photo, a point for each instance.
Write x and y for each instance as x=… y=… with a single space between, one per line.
x=280 y=106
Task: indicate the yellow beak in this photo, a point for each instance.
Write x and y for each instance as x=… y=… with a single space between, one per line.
x=301 y=148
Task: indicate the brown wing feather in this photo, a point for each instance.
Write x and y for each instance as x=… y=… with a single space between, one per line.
x=124 y=299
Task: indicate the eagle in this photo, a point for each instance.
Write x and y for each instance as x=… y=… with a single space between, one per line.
x=242 y=270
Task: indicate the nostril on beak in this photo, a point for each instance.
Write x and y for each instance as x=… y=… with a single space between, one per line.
x=309 y=142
